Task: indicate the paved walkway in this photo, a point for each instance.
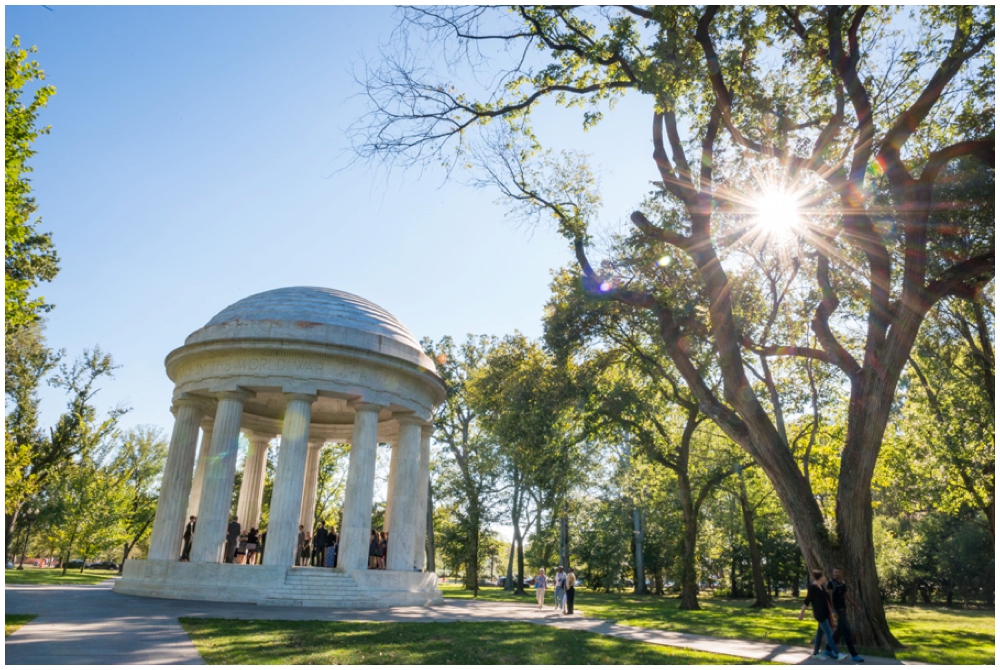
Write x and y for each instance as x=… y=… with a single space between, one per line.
x=92 y=624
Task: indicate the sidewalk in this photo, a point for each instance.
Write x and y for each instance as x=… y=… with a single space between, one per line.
x=91 y=624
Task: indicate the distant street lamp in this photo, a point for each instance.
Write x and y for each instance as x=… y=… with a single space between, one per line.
x=30 y=517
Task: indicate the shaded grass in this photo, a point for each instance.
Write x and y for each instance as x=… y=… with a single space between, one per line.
x=930 y=634
x=14 y=621
x=228 y=641
x=55 y=576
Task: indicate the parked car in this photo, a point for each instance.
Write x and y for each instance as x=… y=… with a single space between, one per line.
x=75 y=563
x=103 y=565
x=528 y=581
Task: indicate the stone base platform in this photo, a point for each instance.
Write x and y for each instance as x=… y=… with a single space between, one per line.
x=275 y=585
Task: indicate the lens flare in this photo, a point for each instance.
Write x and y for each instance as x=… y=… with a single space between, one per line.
x=777 y=212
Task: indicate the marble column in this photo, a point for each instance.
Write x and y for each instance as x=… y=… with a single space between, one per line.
x=420 y=514
x=403 y=524
x=357 y=522
x=286 y=498
x=217 y=487
x=200 y=467
x=307 y=518
x=168 y=525
x=252 y=488
x=393 y=458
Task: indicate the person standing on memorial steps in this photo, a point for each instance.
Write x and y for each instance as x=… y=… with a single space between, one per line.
x=319 y=545
x=817 y=597
x=188 y=538
x=232 y=539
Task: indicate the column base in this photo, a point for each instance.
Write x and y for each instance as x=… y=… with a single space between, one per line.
x=279 y=585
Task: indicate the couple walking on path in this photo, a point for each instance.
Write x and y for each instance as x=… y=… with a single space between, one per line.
x=829 y=610
x=565 y=589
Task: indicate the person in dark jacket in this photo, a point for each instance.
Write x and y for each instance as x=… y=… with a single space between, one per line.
x=319 y=545
x=816 y=596
x=330 y=558
x=839 y=596
x=188 y=537
x=232 y=539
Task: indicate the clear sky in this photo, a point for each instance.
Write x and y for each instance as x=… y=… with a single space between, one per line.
x=195 y=158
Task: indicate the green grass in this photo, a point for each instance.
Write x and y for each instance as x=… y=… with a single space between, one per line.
x=14 y=621
x=227 y=641
x=930 y=634
x=55 y=576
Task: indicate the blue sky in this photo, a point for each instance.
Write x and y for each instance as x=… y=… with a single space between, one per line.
x=195 y=158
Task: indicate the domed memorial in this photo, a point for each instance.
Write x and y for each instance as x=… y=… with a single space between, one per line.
x=303 y=367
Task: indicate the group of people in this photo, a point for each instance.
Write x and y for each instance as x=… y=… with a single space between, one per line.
x=829 y=600
x=378 y=546
x=318 y=549
x=565 y=583
x=241 y=548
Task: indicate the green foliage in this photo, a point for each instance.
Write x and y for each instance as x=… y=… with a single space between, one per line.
x=29 y=256
x=935 y=557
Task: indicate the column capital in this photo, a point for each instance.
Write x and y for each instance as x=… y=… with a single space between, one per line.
x=187 y=401
x=236 y=394
x=362 y=406
x=404 y=418
x=305 y=397
x=258 y=435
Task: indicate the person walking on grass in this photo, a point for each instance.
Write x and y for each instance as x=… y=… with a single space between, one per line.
x=816 y=596
x=540 y=587
x=570 y=590
x=840 y=596
x=560 y=579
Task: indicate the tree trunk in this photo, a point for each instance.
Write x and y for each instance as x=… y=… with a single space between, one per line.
x=689 y=576
x=430 y=528
x=871 y=400
x=519 y=583
x=640 y=536
x=126 y=550
x=564 y=539
x=761 y=596
x=508 y=584
x=734 y=590
x=472 y=561
x=10 y=520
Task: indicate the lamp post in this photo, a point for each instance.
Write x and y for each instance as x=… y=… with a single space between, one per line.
x=30 y=516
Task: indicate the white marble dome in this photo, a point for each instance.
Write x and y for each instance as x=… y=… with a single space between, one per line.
x=317 y=341
x=318 y=315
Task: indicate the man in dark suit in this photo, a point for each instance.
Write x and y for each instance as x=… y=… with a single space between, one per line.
x=232 y=539
x=188 y=537
x=319 y=544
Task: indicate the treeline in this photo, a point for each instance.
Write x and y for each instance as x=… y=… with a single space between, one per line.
x=588 y=446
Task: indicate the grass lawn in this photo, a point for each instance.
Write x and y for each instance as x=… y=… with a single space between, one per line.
x=14 y=621
x=233 y=642
x=55 y=576
x=931 y=634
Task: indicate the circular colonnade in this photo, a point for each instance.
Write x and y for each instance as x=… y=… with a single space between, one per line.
x=309 y=366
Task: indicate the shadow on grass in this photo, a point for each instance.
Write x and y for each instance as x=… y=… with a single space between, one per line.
x=222 y=641
x=931 y=634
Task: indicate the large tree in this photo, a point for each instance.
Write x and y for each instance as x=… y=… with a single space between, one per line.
x=469 y=473
x=28 y=254
x=833 y=111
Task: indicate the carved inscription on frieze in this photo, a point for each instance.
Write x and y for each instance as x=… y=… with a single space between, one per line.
x=260 y=364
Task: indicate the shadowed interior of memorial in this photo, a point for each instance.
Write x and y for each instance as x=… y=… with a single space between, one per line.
x=308 y=366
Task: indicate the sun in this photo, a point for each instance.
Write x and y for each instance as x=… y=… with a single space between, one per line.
x=777 y=212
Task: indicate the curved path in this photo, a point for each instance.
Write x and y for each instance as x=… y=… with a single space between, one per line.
x=91 y=624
